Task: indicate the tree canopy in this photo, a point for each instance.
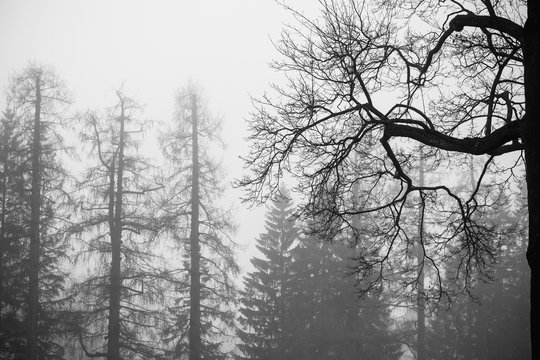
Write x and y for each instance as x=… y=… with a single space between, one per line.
x=370 y=83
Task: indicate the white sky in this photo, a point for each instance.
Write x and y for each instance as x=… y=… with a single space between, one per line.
x=154 y=48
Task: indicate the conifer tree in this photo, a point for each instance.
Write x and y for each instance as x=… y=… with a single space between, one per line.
x=331 y=321
x=33 y=204
x=13 y=242
x=300 y=301
x=264 y=316
x=117 y=302
x=200 y=309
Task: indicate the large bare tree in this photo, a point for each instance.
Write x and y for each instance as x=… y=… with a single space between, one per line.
x=378 y=80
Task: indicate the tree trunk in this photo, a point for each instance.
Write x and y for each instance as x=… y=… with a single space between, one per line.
x=531 y=134
x=115 y=212
x=195 y=287
x=3 y=216
x=33 y=266
x=420 y=301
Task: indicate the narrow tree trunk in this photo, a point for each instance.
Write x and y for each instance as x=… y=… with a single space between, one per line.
x=420 y=300
x=281 y=331
x=195 y=287
x=473 y=316
x=113 y=342
x=356 y=345
x=3 y=218
x=33 y=266
x=531 y=134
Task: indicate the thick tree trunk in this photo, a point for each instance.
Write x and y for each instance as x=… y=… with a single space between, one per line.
x=195 y=287
x=33 y=266
x=531 y=134
x=113 y=342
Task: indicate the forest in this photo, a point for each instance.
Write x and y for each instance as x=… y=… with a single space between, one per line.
x=397 y=164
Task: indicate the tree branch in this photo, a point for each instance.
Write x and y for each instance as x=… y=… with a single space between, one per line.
x=491 y=22
x=491 y=144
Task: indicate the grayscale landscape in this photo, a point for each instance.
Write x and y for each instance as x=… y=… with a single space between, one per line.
x=269 y=180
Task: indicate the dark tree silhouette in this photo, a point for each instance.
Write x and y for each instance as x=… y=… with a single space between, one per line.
x=376 y=80
x=495 y=323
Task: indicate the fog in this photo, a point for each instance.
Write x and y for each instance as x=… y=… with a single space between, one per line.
x=221 y=193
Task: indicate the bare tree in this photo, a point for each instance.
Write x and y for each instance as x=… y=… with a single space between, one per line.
x=377 y=80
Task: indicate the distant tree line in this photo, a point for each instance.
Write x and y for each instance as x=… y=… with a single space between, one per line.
x=300 y=301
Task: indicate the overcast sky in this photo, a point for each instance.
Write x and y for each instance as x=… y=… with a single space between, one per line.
x=153 y=48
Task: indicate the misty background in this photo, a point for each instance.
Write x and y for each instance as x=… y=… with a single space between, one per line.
x=152 y=50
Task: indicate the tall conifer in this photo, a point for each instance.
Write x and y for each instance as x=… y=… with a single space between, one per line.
x=264 y=305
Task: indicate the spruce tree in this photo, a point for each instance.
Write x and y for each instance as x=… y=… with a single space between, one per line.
x=331 y=320
x=300 y=301
x=13 y=239
x=264 y=313
x=34 y=206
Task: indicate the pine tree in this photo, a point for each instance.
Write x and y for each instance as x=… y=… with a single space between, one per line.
x=37 y=100
x=13 y=239
x=200 y=315
x=264 y=313
x=118 y=300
